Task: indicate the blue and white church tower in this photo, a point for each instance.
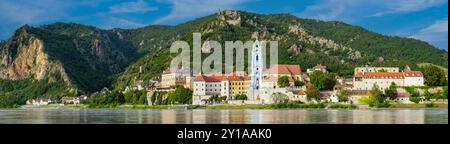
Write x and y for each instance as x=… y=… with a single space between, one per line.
x=256 y=71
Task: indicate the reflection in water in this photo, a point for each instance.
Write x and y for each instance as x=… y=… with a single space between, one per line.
x=291 y=116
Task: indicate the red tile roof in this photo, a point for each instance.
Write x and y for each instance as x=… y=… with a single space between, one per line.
x=211 y=78
x=389 y=75
x=284 y=69
x=320 y=66
x=413 y=74
x=199 y=78
x=238 y=78
x=218 y=78
x=403 y=94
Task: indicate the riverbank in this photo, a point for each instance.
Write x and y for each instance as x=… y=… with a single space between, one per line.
x=83 y=106
x=429 y=105
x=223 y=106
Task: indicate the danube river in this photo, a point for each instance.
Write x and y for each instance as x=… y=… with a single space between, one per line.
x=198 y=116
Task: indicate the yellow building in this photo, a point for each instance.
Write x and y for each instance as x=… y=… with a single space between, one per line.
x=238 y=84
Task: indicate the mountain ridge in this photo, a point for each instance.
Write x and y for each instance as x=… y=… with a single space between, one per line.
x=303 y=41
x=89 y=58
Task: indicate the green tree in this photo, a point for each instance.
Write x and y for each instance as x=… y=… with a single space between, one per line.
x=391 y=92
x=312 y=92
x=214 y=98
x=323 y=81
x=120 y=98
x=181 y=95
x=283 y=81
x=104 y=99
x=142 y=99
x=434 y=76
x=428 y=95
x=8 y=101
x=415 y=97
x=377 y=95
x=343 y=95
x=445 y=92
x=298 y=83
x=240 y=97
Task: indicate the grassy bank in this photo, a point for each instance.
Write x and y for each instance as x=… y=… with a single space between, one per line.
x=268 y=106
x=113 y=106
x=421 y=105
x=281 y=106
x=78 y=106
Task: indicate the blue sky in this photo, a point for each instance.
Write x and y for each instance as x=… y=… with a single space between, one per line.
x=426 y=20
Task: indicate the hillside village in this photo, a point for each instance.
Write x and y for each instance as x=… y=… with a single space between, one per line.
x=231 y=86
x=287 y=83
x=318 y=62
x=272 y=84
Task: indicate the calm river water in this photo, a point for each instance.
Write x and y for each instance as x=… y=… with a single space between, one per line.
x=297 y=116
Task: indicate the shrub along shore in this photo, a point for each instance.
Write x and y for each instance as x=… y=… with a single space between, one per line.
x=289 y=105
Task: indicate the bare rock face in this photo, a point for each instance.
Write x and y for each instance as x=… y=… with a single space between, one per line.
x=380 y=59
x=230 y=17
x=294 y=49
x=306 y=37
x=26 y=58
x=355 y=55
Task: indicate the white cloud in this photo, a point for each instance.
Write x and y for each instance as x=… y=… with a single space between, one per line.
x=114 y=22
x=342 y=10
x=406 y=6
x=187 y=9
x=436 y=34
x=139 y=6
x=23 y=12
x=349 y=10
x=14 y=14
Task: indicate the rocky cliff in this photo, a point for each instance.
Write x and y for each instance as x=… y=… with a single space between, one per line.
x=82 y=56
x=24 y=57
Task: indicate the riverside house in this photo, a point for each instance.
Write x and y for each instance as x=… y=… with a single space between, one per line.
x=366 y=77
x=40 y=101
x=70 y=100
